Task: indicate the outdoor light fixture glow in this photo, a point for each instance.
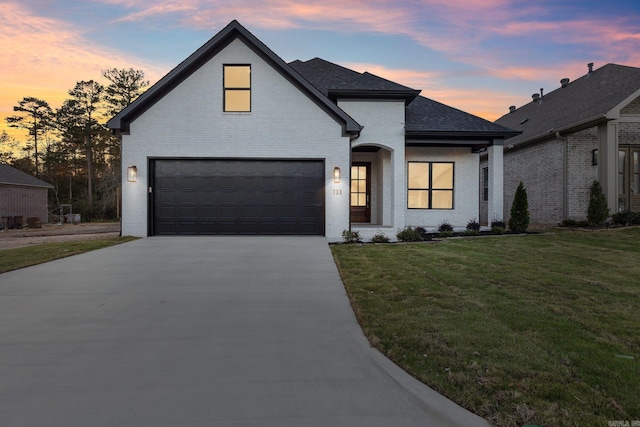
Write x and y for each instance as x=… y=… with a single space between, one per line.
x=336 y=175
x=132 y=174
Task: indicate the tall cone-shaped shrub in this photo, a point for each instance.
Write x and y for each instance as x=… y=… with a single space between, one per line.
x=519 y=221
x=598 y=212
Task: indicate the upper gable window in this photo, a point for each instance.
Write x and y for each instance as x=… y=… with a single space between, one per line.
x=237 y=88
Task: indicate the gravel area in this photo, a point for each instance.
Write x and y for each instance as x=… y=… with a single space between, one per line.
x=50 y=233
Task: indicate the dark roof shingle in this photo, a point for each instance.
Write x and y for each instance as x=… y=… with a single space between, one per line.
x=12 y=176
x=324 y=75
x=423 y=115
x=335 y=81
x=584 y=101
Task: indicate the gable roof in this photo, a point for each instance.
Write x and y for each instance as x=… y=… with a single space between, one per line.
x=12 y=176
x=335 y=81
x=425 y=119
x=583 y=103
x=231 y=32
x=324 y=82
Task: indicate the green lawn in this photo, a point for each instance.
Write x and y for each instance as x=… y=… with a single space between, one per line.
x=538 y=329
x=12 y=259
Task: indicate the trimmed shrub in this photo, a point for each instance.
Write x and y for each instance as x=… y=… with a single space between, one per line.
x=445 y=226
x=498 y=230
x=598 y=212
x=569 y=223
x=473 y=225
x=379 y=238
x=519 y=221
x=498 y=227
x=409 y=234
x=349 y=236
x=572 y=223
x=626 y=218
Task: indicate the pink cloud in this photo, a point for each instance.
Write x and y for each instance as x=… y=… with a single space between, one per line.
x=488 y=104
x=371 y=15
x=456 y=28
x=416 y=79
x=44 y=57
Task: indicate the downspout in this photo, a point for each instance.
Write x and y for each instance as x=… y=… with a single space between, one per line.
x=353 y=138
x=565 y=176
x=349 y=179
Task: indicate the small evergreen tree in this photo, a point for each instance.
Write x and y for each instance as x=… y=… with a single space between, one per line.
x=519 y=221
x=598 y=212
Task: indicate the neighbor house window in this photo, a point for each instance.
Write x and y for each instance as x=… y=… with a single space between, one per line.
x=237 y=88
x=485 y=184
x=430 y=185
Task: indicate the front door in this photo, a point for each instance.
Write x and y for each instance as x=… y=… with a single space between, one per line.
x=629 y=179
x=360 y=192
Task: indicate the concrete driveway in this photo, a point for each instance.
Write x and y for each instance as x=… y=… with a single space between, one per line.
x=198 y=331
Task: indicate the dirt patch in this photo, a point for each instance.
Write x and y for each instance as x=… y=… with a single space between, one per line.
x=51 y=233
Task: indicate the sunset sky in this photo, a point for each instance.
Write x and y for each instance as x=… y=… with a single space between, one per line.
x=480 y=56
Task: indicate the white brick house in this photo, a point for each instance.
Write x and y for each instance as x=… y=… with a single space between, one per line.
x=585 y=130
x=236 y=141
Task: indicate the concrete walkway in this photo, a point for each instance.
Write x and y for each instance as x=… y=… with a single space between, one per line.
x=198 y=331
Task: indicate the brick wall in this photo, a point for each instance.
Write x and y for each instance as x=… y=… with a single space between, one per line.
x=633 y=108
x=466 y=188
x=581 y=171
x=540 y=168
x=17 y=200
x=629 y=133
x=383 y=127
x=189 y=122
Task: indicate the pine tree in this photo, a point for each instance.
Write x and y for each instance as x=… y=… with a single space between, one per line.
x=598 y=212
x=519 y=221
x=36 y=118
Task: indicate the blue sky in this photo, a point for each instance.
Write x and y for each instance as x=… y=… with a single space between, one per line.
x=476 y=55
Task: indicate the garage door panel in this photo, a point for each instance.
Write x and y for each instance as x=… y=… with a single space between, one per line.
x=238 y=197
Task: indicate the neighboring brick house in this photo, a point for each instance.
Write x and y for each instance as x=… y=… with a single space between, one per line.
x=236 y=141
x=22 y=196
x=585 y=130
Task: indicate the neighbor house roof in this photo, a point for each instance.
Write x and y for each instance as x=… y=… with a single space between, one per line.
x=582 y=103
x=231 y=32
x=425 y=119
x=12 y=176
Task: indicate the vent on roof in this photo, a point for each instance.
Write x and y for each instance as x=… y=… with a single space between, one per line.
x=535 y=96
x=512 y=108
x=541 y=93
x=590 y=66
x=564 y=82
x=524 y=121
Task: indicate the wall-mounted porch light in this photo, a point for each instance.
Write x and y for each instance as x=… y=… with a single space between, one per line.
x=594 y=157
x=336 y=175
x=132 y=174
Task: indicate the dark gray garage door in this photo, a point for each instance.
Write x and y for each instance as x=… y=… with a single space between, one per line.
x=237 y=197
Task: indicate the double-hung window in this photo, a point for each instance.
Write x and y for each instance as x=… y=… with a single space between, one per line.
x=237 y=88
x=430 y=185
